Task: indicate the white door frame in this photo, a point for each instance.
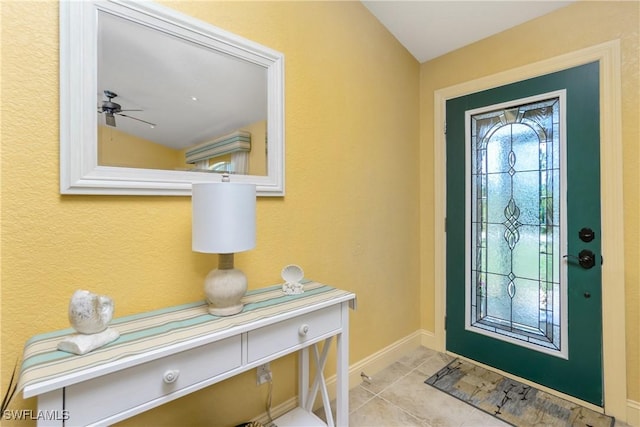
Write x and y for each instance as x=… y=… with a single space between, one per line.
x=613 y=299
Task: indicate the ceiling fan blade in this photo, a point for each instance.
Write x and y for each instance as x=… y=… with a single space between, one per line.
x=111 y=120
x=140 y=120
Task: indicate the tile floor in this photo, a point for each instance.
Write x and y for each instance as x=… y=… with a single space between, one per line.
x=397 y=396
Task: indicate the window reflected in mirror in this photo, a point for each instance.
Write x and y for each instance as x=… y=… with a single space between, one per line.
x=120 y=149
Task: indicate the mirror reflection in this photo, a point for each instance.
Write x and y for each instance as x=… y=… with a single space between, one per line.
x=167 y=103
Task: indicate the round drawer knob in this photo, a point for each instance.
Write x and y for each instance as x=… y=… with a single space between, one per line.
x=171 y=376
x=303 y=330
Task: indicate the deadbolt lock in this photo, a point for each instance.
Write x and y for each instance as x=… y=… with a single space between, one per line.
x=586 y=234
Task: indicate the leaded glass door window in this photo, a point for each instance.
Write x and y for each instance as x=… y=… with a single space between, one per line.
x=515 y=236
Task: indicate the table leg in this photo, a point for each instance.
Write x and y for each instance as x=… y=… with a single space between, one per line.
x=342 y=371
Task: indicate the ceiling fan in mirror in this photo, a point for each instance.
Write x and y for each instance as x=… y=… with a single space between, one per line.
x=111 y=109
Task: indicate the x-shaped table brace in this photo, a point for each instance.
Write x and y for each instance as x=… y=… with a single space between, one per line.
x=309 y=394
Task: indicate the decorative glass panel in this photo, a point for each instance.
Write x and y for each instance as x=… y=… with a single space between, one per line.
x=515 y=223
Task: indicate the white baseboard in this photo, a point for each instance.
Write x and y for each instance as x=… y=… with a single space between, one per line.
x=633 y=413
x=379 y=360
x=428 y=339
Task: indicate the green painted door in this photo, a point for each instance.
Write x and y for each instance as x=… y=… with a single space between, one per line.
x=523 y=230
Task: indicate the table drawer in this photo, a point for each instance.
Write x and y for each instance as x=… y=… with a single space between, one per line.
x=289 y=333
x=96 y=399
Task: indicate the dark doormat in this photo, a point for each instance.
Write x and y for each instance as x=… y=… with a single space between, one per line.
x=511 y=401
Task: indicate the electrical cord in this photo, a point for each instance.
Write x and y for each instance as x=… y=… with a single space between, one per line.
x=269 y=398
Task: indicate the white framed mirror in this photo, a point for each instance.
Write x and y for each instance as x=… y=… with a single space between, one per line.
x=152 y=100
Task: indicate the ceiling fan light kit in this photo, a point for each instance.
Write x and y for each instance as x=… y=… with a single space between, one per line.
x=110 y=109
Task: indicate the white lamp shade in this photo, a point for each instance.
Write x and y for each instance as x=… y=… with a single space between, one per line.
x=223 y=217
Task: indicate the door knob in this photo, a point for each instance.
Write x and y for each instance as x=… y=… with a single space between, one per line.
x=585 y=258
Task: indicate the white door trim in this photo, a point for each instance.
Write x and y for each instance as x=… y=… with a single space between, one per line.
x=611 y=185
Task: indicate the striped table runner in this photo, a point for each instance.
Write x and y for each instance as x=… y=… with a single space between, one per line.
x=152 y=331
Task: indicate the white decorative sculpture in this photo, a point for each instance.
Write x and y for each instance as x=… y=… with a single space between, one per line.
x=89 y=315
x=292 y=275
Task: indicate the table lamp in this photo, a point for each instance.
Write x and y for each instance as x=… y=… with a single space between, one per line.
x=224 y=222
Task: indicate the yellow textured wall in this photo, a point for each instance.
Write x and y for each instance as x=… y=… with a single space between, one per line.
x=577 y=26
x=350 y=216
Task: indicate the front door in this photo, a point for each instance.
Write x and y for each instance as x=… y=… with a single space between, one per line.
x=523 y=230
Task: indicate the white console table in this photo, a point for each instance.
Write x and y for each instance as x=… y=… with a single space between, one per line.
x=166 y=354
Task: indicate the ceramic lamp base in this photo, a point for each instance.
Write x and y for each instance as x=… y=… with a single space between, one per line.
x=226 y=311
x=225 y=287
